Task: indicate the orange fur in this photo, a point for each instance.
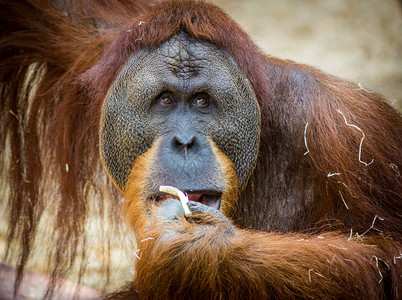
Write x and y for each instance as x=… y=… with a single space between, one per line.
x=203 y=262
x=230 y=195
x=51 y=100
x=135 y=206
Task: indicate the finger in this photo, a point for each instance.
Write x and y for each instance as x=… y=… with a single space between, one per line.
x=170 y=209
x=202 y=208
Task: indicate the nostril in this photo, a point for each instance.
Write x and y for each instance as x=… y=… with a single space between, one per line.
x=187 y=142
x=183 y=144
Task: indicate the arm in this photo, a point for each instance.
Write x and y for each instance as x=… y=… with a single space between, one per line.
x=206 y=257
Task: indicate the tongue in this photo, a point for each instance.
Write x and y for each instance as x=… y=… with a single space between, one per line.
x=194 y=197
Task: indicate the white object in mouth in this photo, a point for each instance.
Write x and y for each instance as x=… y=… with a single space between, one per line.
x=176 y=192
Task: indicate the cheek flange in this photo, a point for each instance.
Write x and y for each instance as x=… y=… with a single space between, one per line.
x=237 y=135
x=124 y=135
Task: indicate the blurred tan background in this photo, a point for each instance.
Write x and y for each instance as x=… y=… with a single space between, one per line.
x=359 y=40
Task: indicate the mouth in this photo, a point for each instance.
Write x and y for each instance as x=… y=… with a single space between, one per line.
x=211 y=199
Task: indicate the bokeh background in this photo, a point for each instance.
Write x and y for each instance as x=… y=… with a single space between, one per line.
x=360 y=40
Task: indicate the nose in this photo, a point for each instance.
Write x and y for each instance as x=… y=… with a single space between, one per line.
x=183 y=143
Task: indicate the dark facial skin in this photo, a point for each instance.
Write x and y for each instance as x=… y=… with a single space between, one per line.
x=182 y=97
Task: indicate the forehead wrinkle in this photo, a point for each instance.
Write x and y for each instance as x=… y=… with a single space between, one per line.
x=181 y=63
x=184 y=58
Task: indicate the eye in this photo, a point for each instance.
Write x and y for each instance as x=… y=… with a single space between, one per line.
x=166 y=100
x=201 y=101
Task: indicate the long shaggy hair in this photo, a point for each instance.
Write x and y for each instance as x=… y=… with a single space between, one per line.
x=57 y=62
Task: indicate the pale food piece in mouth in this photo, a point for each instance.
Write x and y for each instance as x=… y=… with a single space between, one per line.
x=176 y=192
